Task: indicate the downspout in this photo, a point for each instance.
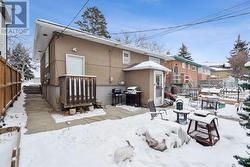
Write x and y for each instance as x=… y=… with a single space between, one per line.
x=110 y=77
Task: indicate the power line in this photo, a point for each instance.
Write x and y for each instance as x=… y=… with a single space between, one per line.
x=187 y=24
x=75 y=16
x=202 y=22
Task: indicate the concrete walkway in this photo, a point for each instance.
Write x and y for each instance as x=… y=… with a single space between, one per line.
x=40 y=120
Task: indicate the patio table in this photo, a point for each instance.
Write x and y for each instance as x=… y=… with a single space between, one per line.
x=180 y=113
x=209 y=102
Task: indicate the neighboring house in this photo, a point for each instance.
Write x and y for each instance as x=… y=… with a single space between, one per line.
x=220 y=73
x=3 y=33
x=183 y=71
x=204 y=72
x=78 y=68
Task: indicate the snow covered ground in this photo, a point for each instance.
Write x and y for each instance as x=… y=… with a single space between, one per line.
x=94 y=145
x=7 y=143
x=230 y=111
x=16 y=116
x=129 y=108
x=61 y=118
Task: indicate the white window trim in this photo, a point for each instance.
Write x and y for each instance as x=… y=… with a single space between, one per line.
x=129 y=57
x=184 y=65
x=72 y=55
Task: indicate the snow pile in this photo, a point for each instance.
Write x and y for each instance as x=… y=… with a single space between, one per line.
x=61 y=118
x=124 y=153
x=129 y=108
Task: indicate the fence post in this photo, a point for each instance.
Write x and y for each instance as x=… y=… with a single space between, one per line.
x=4 y=89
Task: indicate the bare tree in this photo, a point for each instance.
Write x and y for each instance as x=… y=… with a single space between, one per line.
x=140 y=41
x=237 y=62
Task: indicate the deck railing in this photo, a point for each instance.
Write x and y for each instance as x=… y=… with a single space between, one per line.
x=77 y=91
x=10 y=85
x=174 y=79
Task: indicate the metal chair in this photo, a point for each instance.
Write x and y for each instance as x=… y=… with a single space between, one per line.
x=154 y=113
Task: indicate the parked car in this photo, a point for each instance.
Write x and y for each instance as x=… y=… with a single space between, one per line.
x=170 y=96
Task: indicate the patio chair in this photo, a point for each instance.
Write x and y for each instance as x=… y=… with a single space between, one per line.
x=192 y=103
x=154 y=113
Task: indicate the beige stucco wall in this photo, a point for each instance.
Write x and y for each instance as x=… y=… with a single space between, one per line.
x=143 y=79
x=101 y=60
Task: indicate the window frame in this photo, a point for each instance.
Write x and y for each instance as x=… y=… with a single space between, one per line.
x=123 y=58
x=183 y=65
x=194 y=68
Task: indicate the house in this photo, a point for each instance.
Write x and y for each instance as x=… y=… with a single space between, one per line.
x=183 y=71
x=3 y=32
x=204 y=72
x=78 y=69
x=220 y=73
x=219 y=70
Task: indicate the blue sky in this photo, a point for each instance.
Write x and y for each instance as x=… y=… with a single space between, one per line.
x=207 y=42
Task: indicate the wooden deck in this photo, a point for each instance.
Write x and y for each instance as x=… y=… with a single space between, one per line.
x=77 y=91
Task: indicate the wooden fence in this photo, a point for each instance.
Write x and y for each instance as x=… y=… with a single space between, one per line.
x=10 y=85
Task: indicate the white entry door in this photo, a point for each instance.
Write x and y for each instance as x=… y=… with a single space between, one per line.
x=75 y=65
x=158 y=88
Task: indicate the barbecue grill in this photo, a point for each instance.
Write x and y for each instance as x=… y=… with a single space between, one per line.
x=116 y=96
x=133 y=96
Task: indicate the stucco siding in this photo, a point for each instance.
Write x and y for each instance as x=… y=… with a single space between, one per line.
x=101 y=60
x=103 y=93
x=142 y=79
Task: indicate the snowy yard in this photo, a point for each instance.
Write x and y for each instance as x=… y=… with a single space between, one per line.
x=94 y=144
x=129 y=108
x=61 y=118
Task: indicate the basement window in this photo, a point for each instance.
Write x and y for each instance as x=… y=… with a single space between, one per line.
x=126 y=57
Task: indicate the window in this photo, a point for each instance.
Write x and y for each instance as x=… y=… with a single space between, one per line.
x=175 y=70
x=156 y=60
x=47 y=57
x=126 y=57
x=193 y=68
x=75 y=65
x=186 y=78
x=183 y=65
x=187 y=66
